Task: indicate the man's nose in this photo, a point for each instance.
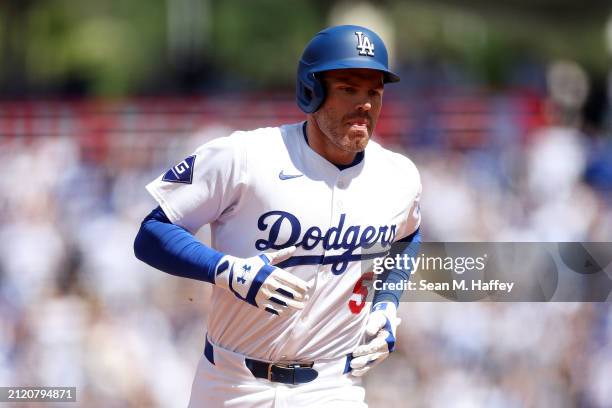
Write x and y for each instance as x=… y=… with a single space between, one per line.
x=364 y=105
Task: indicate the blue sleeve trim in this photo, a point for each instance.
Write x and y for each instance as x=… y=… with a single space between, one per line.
x=209 y=352
x=174 y=250
x=411 y=249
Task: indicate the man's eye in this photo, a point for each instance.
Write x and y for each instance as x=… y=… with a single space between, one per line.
x=348 y=89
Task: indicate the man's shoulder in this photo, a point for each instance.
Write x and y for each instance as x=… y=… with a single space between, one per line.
x=259 y=139
x=264 y=134
x=389 y=159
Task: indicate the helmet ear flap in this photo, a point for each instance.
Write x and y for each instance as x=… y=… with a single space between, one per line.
x=310 y=94
x=304 y=95
x=318 y=91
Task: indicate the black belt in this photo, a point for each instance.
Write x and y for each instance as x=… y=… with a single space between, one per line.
x=286 y=373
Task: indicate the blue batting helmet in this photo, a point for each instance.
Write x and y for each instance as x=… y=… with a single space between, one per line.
x=340 y=47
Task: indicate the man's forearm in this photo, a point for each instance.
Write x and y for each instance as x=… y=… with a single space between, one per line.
x=409 y=247
x=174 y=250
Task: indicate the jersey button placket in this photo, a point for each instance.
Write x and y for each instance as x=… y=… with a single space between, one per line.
x=339 y=193
x=337 y=209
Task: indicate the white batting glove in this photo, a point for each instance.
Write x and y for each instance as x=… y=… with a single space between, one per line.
x=382 y=325
x=255 y=281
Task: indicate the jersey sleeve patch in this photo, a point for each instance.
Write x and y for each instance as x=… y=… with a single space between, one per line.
x=182 y=172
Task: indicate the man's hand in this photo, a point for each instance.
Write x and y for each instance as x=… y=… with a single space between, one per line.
x=255 y=281
x=382 y=325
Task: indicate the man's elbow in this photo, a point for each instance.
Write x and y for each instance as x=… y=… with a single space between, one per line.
x=141 y=244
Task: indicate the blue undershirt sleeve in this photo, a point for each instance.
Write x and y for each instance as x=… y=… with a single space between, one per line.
x=173 y=249
x=408 y=246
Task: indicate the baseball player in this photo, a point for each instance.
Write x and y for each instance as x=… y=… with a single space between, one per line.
x=293 y=209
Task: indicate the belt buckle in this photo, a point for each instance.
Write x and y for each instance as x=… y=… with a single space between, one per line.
x=280 y=365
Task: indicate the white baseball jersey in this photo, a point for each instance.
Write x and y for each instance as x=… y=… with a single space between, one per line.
x=266 y=189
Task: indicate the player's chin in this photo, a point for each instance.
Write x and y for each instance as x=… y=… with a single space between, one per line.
x=358 y=138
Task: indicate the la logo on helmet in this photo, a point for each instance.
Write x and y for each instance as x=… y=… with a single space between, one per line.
x=364 y=45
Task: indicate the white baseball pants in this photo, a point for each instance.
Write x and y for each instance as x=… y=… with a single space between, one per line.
x=229 y=383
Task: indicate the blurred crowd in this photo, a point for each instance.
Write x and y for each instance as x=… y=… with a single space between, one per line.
x=77 y=309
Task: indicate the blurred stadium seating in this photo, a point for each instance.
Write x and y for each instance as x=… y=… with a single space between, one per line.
x=76 y=308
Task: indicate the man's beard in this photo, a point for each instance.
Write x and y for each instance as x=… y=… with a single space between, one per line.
x=336 y=135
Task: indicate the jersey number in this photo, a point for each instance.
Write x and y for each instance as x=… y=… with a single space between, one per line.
x=360 y=293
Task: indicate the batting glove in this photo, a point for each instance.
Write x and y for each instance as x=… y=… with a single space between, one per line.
x=255 y=281
x=382 y=325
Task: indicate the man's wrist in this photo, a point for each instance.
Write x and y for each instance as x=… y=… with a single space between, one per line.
x=385 y=296
x=389 y=308
x=222 y=271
